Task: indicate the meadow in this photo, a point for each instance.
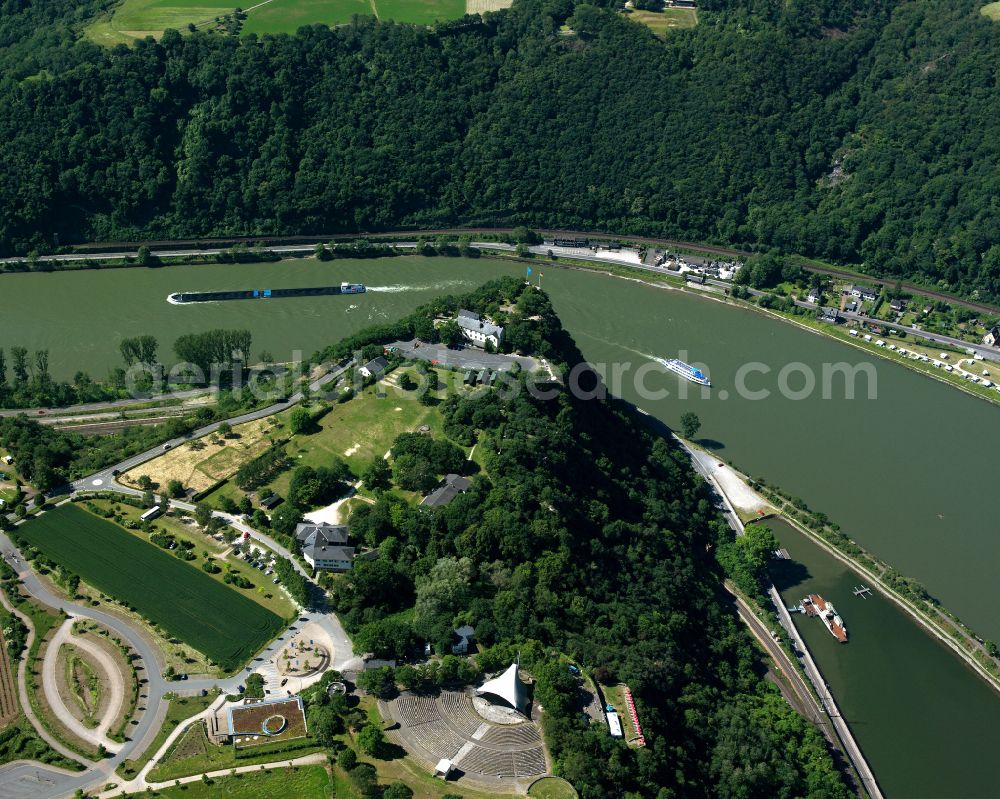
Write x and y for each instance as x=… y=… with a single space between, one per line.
x=660 y=22
x=138 y=18
x=214 y=619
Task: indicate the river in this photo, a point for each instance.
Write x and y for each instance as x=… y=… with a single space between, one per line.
x=924 y=722
x=86 y=313
x=910 y=474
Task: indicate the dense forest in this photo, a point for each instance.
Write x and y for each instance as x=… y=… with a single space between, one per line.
x=859 y=131
x=587 y=535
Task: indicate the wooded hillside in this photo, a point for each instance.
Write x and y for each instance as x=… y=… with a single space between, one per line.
x=855 y=132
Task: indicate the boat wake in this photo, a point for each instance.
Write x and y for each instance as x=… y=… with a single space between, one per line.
x=398 y=288
x=621 y=346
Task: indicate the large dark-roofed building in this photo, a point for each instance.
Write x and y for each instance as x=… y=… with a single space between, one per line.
x=323 y=545
x=450 y=487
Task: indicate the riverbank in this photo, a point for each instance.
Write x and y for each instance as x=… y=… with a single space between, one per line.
x=934 y=619
x=739 y=500
x=638 y=275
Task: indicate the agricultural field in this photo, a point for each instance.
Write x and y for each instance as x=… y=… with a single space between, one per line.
x=135 y=19
x=264 y=591
x=287 y=16
x=188 y=604
x=9 y=709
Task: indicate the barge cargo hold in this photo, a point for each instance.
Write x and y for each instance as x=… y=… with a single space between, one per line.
x=184 y=297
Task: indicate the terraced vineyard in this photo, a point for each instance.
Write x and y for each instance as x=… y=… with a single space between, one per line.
x=226 y=626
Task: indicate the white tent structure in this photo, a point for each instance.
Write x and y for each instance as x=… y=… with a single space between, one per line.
x=507 y=687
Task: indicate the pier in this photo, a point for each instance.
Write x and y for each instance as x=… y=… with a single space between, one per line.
x=864 y=591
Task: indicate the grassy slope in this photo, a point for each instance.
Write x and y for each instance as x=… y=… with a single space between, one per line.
x=179 y=709
x=209 y=616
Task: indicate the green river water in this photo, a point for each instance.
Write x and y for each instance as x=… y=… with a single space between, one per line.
x=908 y=475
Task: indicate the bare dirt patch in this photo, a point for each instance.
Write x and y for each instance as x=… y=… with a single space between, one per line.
x=202 y=463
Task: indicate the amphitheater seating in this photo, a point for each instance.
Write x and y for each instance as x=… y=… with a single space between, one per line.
x=489 y=762
x=437 y=738
x=456 y=707
x=442 y=727
x=530 y=762
x=414 y=710
x=514 y=736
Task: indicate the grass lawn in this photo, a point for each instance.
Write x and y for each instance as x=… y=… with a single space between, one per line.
x=358 y=431
x=614 y=695
x=669 y=19
x=552 y=788
x=193 y=753
x=287 y=16
x=264 y=591
x=179 y=708
x=186 y=602
x=991 y=10
x=302 y=782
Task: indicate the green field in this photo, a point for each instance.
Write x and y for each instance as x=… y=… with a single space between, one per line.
x=287 y=16
x=189 y=605
x=424 y=12
x=303 y=782
x=552 y=788
x=991 y=10
x=138 y=18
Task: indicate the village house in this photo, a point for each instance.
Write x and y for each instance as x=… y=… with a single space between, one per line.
x=866 y=293
x=376 y=367
x=992 y=337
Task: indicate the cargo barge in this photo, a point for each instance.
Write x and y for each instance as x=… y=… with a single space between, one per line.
x=184 y=297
